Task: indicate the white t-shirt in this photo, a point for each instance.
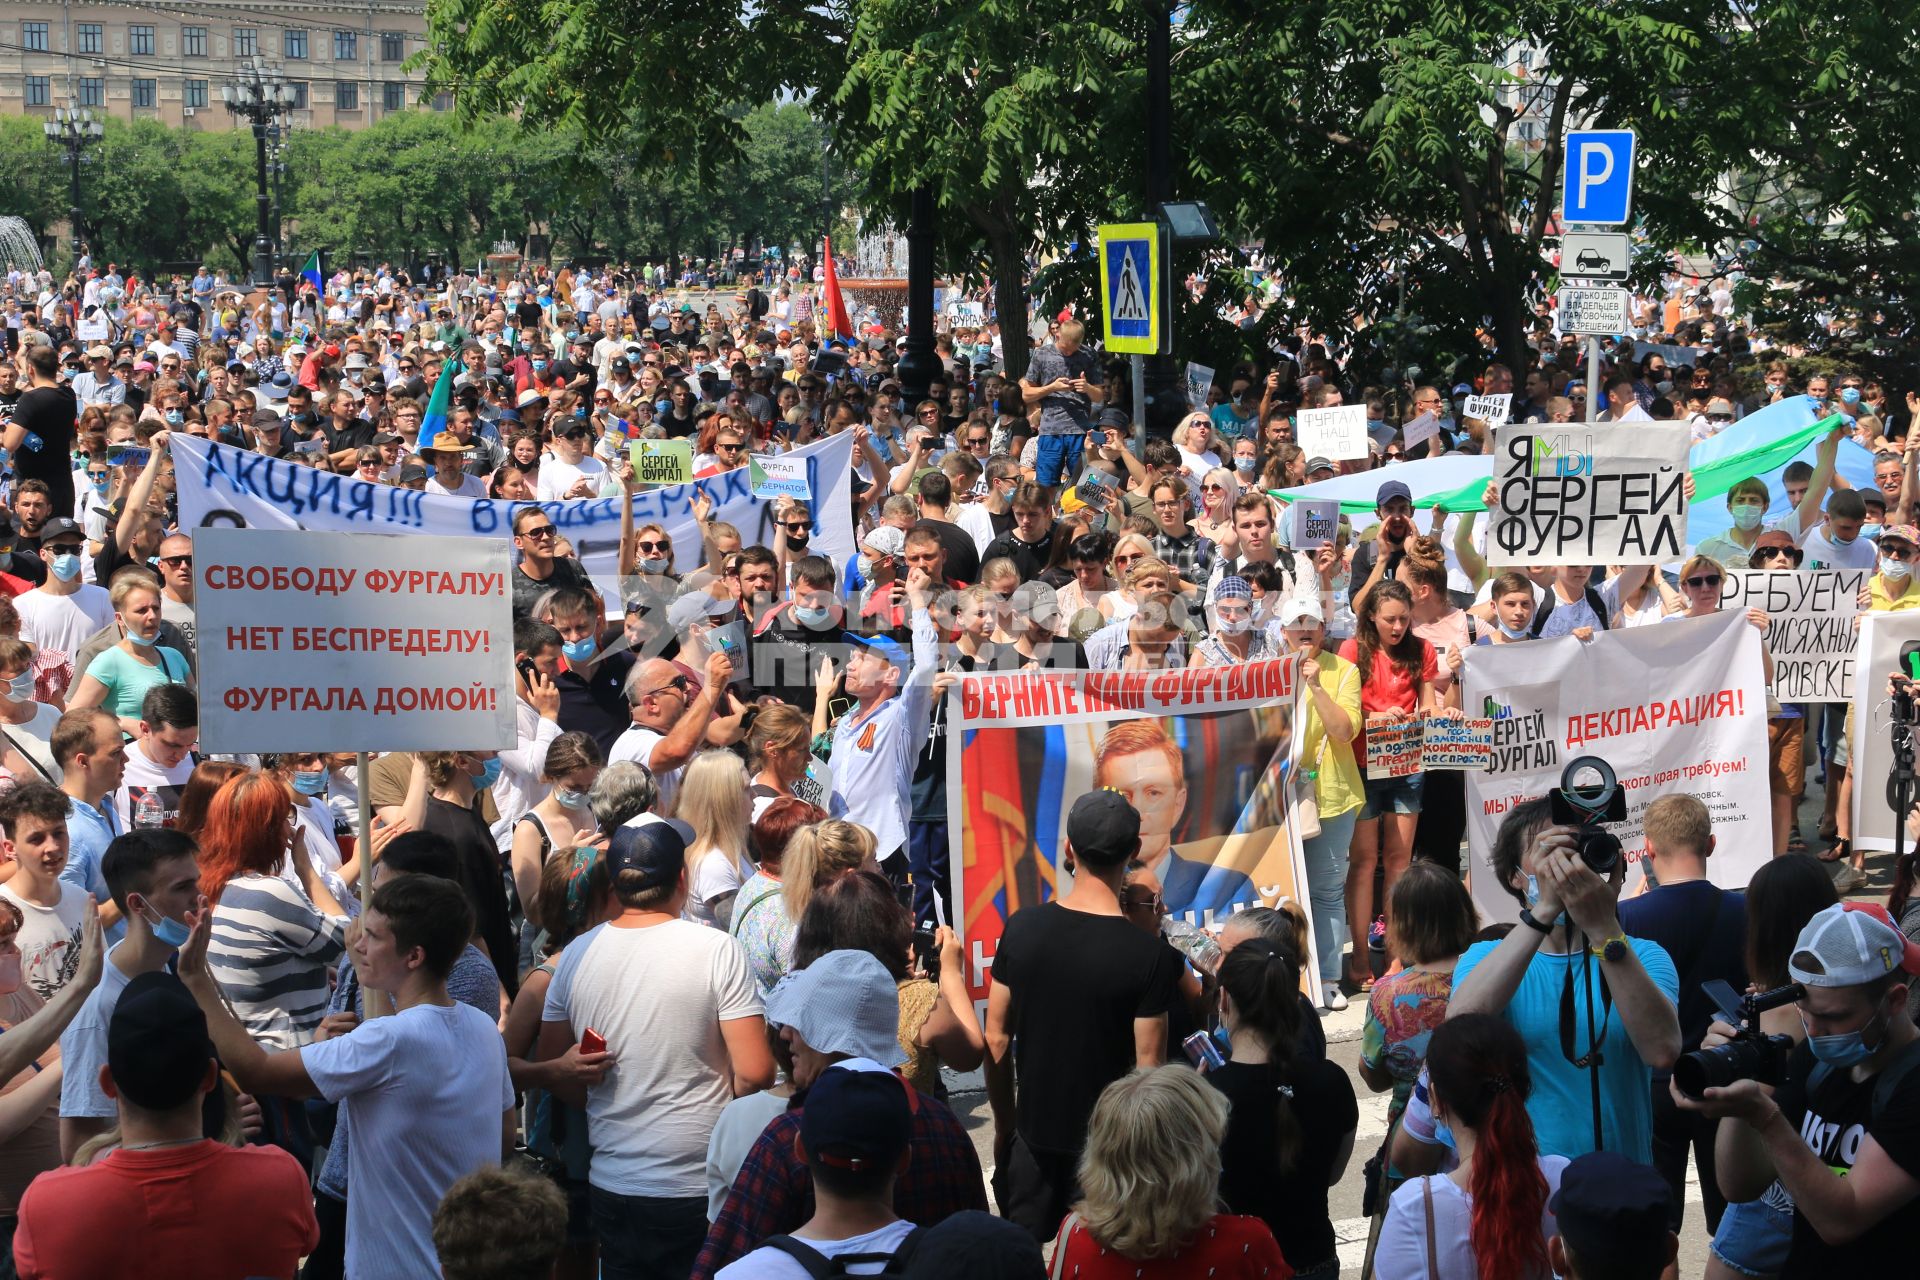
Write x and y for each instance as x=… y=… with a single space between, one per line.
x=143 y=775
x=424 y=1092
x=49 y=937
x=557 y=477
x=1821 y=553
x=658 y=995
x=34 y=739
x=637 y=745
x=1403 y=1237
x=469 y=487
x=734 y=1134
x=714 y=875
x=63 y=623
x=771 y=1264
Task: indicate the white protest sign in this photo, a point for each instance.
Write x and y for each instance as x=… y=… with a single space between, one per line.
x=352 y=642
x=1492 y=410
x=1678 y=708
x=1585 y=493
x=1419 y=431
x=1199 y=382
x=1456 y=742
x=219 y=485
x=1882 y=637
x=779 y=475
x=1312 y=523
x=1810 y=631
x=1339 y=433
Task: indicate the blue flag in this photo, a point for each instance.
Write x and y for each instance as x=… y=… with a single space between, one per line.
x=434 y=421
x=311 y=272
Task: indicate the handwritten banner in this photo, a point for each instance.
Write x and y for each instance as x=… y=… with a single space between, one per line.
x=1492 y=410
x=1339 y=433
x=1456 y=742
x=1595 y=494
x=1393 y=746
x=1810 y=627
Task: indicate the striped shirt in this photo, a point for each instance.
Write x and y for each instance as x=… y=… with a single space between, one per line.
x=270 y=951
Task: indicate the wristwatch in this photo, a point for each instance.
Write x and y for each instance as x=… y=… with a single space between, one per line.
x=1534 y=922
x=1614 y=948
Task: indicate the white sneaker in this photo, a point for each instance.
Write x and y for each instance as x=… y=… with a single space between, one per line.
x=1335 y=1000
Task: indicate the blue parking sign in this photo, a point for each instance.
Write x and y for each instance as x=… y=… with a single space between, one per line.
x=1597 y=177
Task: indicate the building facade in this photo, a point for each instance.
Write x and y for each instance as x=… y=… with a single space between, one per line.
x=168 y=63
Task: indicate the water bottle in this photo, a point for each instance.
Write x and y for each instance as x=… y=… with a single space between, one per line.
x=1195 y=944
x=148 y=812
x=33 y=442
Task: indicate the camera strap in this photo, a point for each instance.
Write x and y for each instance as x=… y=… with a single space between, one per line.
x=1569 y=1027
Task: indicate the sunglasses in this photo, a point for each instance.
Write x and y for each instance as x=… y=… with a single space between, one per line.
x=656 y=546
x=177 y=561
x=799 y=526
x=98 y=475
x=544 y=531
x=727 y=448
x=64 y=548
x=1126 y=560
x=1703 y=582
x=678 y=684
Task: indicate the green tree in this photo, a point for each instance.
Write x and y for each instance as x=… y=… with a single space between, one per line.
x=33 y=174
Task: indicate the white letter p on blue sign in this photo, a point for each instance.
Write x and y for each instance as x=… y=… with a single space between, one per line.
x=1597 y=186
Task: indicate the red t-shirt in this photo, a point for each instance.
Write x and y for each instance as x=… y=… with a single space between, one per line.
x=1228 y=1248
x=1386 y=687
x=205 y=1211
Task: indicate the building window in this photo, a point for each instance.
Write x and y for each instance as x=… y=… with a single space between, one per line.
x=93 y=91
x=140 y=40
x=38 y=93
x=299 y=88
x=193 y=42
x=34 y=36
x=346 y=97
x=346 y=45
x=92 y=37
x=393 y=46
x=196 y=93
x=393 y=96
x=296 y=43
x=442 y=101
x=146 y=93
x=246 y=42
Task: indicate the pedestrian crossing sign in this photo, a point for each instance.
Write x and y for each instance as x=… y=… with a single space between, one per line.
x=1130 y=288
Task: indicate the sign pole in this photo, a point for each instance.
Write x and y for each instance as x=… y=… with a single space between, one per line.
x=1593 y=379
x=1139 y=364
x=361 y=782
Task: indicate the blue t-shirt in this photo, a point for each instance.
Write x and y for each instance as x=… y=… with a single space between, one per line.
x=1562 y=1103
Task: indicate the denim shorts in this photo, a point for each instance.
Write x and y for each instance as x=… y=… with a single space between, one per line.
x=1391 y=795
x=1754 y=1237
x=1057 y=460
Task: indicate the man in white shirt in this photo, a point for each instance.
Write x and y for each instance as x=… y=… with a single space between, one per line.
x=1837 y=544
x=670 y=719
x=160 y=760
x=448 y=458
x=63 y=612
x=98 y=386
x=874 y=744
x=33 y=824
x=676 y=1004
x=569 y=472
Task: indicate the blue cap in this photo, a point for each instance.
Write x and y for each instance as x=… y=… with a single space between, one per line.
x=1612 y=1213
x=856 y=1119
x=654 y=849
x=1390 y=490
x=887 y=647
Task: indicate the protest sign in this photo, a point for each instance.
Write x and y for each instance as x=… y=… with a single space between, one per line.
x=1206 y=755
x=1339 y=433
x=1456 y=742
x=662 y=461
x=345 y=642
x=1393 y=746
x=1492 y=410
x=1677 y=708
x=1810 y=630
x=1572 y=493
x=779 y=475
x=1312 y=524
x=219 y=485
x=1199 y=382
x=1419 y=431
x=1882 y=638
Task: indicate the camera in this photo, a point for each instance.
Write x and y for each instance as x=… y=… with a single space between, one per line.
x=1752 y=1055
x=1585 y=806
x=927 y=950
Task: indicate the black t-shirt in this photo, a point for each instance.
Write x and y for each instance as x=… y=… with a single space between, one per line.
x=48 y=412
x=357 y=434
x=480 y=876
x=1834 y=1122
x=1028 y=557
x=963 y=558
x=527 y=591
x=529 y=314
x=1704 y=929
x=1294 y=1203
x=596 y=704
x=1078 y=982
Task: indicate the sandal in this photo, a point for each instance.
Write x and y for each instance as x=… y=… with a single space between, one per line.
x=1837 y=851
x=1796 y=843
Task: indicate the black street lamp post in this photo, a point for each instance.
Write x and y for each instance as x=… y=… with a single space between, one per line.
x=74 y=128
x=259 y=94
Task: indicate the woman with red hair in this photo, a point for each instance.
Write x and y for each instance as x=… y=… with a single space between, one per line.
x=276 y=925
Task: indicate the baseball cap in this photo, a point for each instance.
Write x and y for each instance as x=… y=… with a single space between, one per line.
x=1612 y=1213
x=844 y=1002
x=887 y=647
x=157 y=1043
x=977 y=1245
x=1904 y=532
x=1115 y=419
x=99 y=353
x=696 y=606
x=655 y=850
x=387 y=437
x=1103 y=823
x=59 y=526
x=1320 y=464
x=1295 y=608
x=412 y=473
x=857 y=1117
x=1850 y=944
x=1390 y=490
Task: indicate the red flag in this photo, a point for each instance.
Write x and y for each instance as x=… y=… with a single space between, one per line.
x=836 y=305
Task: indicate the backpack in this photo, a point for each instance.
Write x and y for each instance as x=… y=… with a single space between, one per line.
x=819 y=1266
x=1594 y=602
x=1883 y=1084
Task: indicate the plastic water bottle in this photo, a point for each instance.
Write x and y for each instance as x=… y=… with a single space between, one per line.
x=33 y=442
x=1195 y=944
x=148 y=812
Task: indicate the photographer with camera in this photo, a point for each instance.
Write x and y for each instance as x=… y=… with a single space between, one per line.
x=1595 y=1007
x=1842 y=1133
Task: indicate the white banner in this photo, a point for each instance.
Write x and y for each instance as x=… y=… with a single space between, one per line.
x=1199 y=382
x=330 y=642
x=220 y=485
x=1492 y=410
x=1586 y=493
x=1339 y=433
x=1677 y=708
x=1882 y=636
x=1810 y=629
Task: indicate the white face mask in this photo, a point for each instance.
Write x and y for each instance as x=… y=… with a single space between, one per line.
x=1894 y=570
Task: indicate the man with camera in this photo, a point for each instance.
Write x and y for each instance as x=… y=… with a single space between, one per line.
x=1595 y=1006
x=1842 y=1130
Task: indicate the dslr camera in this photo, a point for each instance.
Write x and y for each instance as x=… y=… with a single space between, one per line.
x=1751 y=1055
x=1585 y=804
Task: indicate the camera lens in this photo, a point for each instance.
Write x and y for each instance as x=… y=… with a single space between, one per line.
x=1706 y=1069
x=1600 y=850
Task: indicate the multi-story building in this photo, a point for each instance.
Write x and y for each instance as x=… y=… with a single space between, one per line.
x=168 y=61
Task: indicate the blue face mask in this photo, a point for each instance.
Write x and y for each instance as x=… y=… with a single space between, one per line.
x=662 y=407
x=570 y=799
x=539 y=366
x=20 y=688
x=311 y=784
x=489 y=774
x=1443 y=1134
x=579 y=650
x=66 y=566
x=1533 y=897
x=580 y=411
x=1512 y=633
x=175 y=417
x=169 y=931
x=1843 y=1050
x=813 y=618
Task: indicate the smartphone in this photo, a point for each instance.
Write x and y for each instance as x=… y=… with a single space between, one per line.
x=927 y=950
x=592 y=1041
x=526 y=670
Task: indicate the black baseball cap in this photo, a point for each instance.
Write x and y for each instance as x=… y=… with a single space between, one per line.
x=59 y=527
x=157 y=1043
x=1102 y=826
x=1613 y=1214
x=856 y=1118
x=654 y=849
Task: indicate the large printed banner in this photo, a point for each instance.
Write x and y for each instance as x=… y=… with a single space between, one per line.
x=1205 y=755
x=1810 y=627
x=328 y=642
x=1882 y=637
x=1589 y=493
x=220 y=485
x=1677 y=708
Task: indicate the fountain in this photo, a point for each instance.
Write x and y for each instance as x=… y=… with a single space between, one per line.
x=876 y=291
x=19 y=251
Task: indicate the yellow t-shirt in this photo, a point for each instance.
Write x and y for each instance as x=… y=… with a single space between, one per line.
x=1880 y=601
x=1338 y=783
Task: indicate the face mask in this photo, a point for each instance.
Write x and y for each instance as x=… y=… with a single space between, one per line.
x=580 y=411
x=1843 y=1050
x=1533 y=896
x=539 y=366
x=1870 y=531
x=1896 y=570
x=1232 y=626
x=20 y=688
x=1850 y=395
x=144 y=642
x=1747 y=515
x=1844 y=542
x=100 y=486
x=1443 y=1134
x=1245 y=465
x=655 y=564
x=310 y=784
x=66 y=566
x=171 y=932
x=175 y=417
x=579 y=650
x=1513 y=633
x=489 y=774
x=570 y=799
x=662 y=407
